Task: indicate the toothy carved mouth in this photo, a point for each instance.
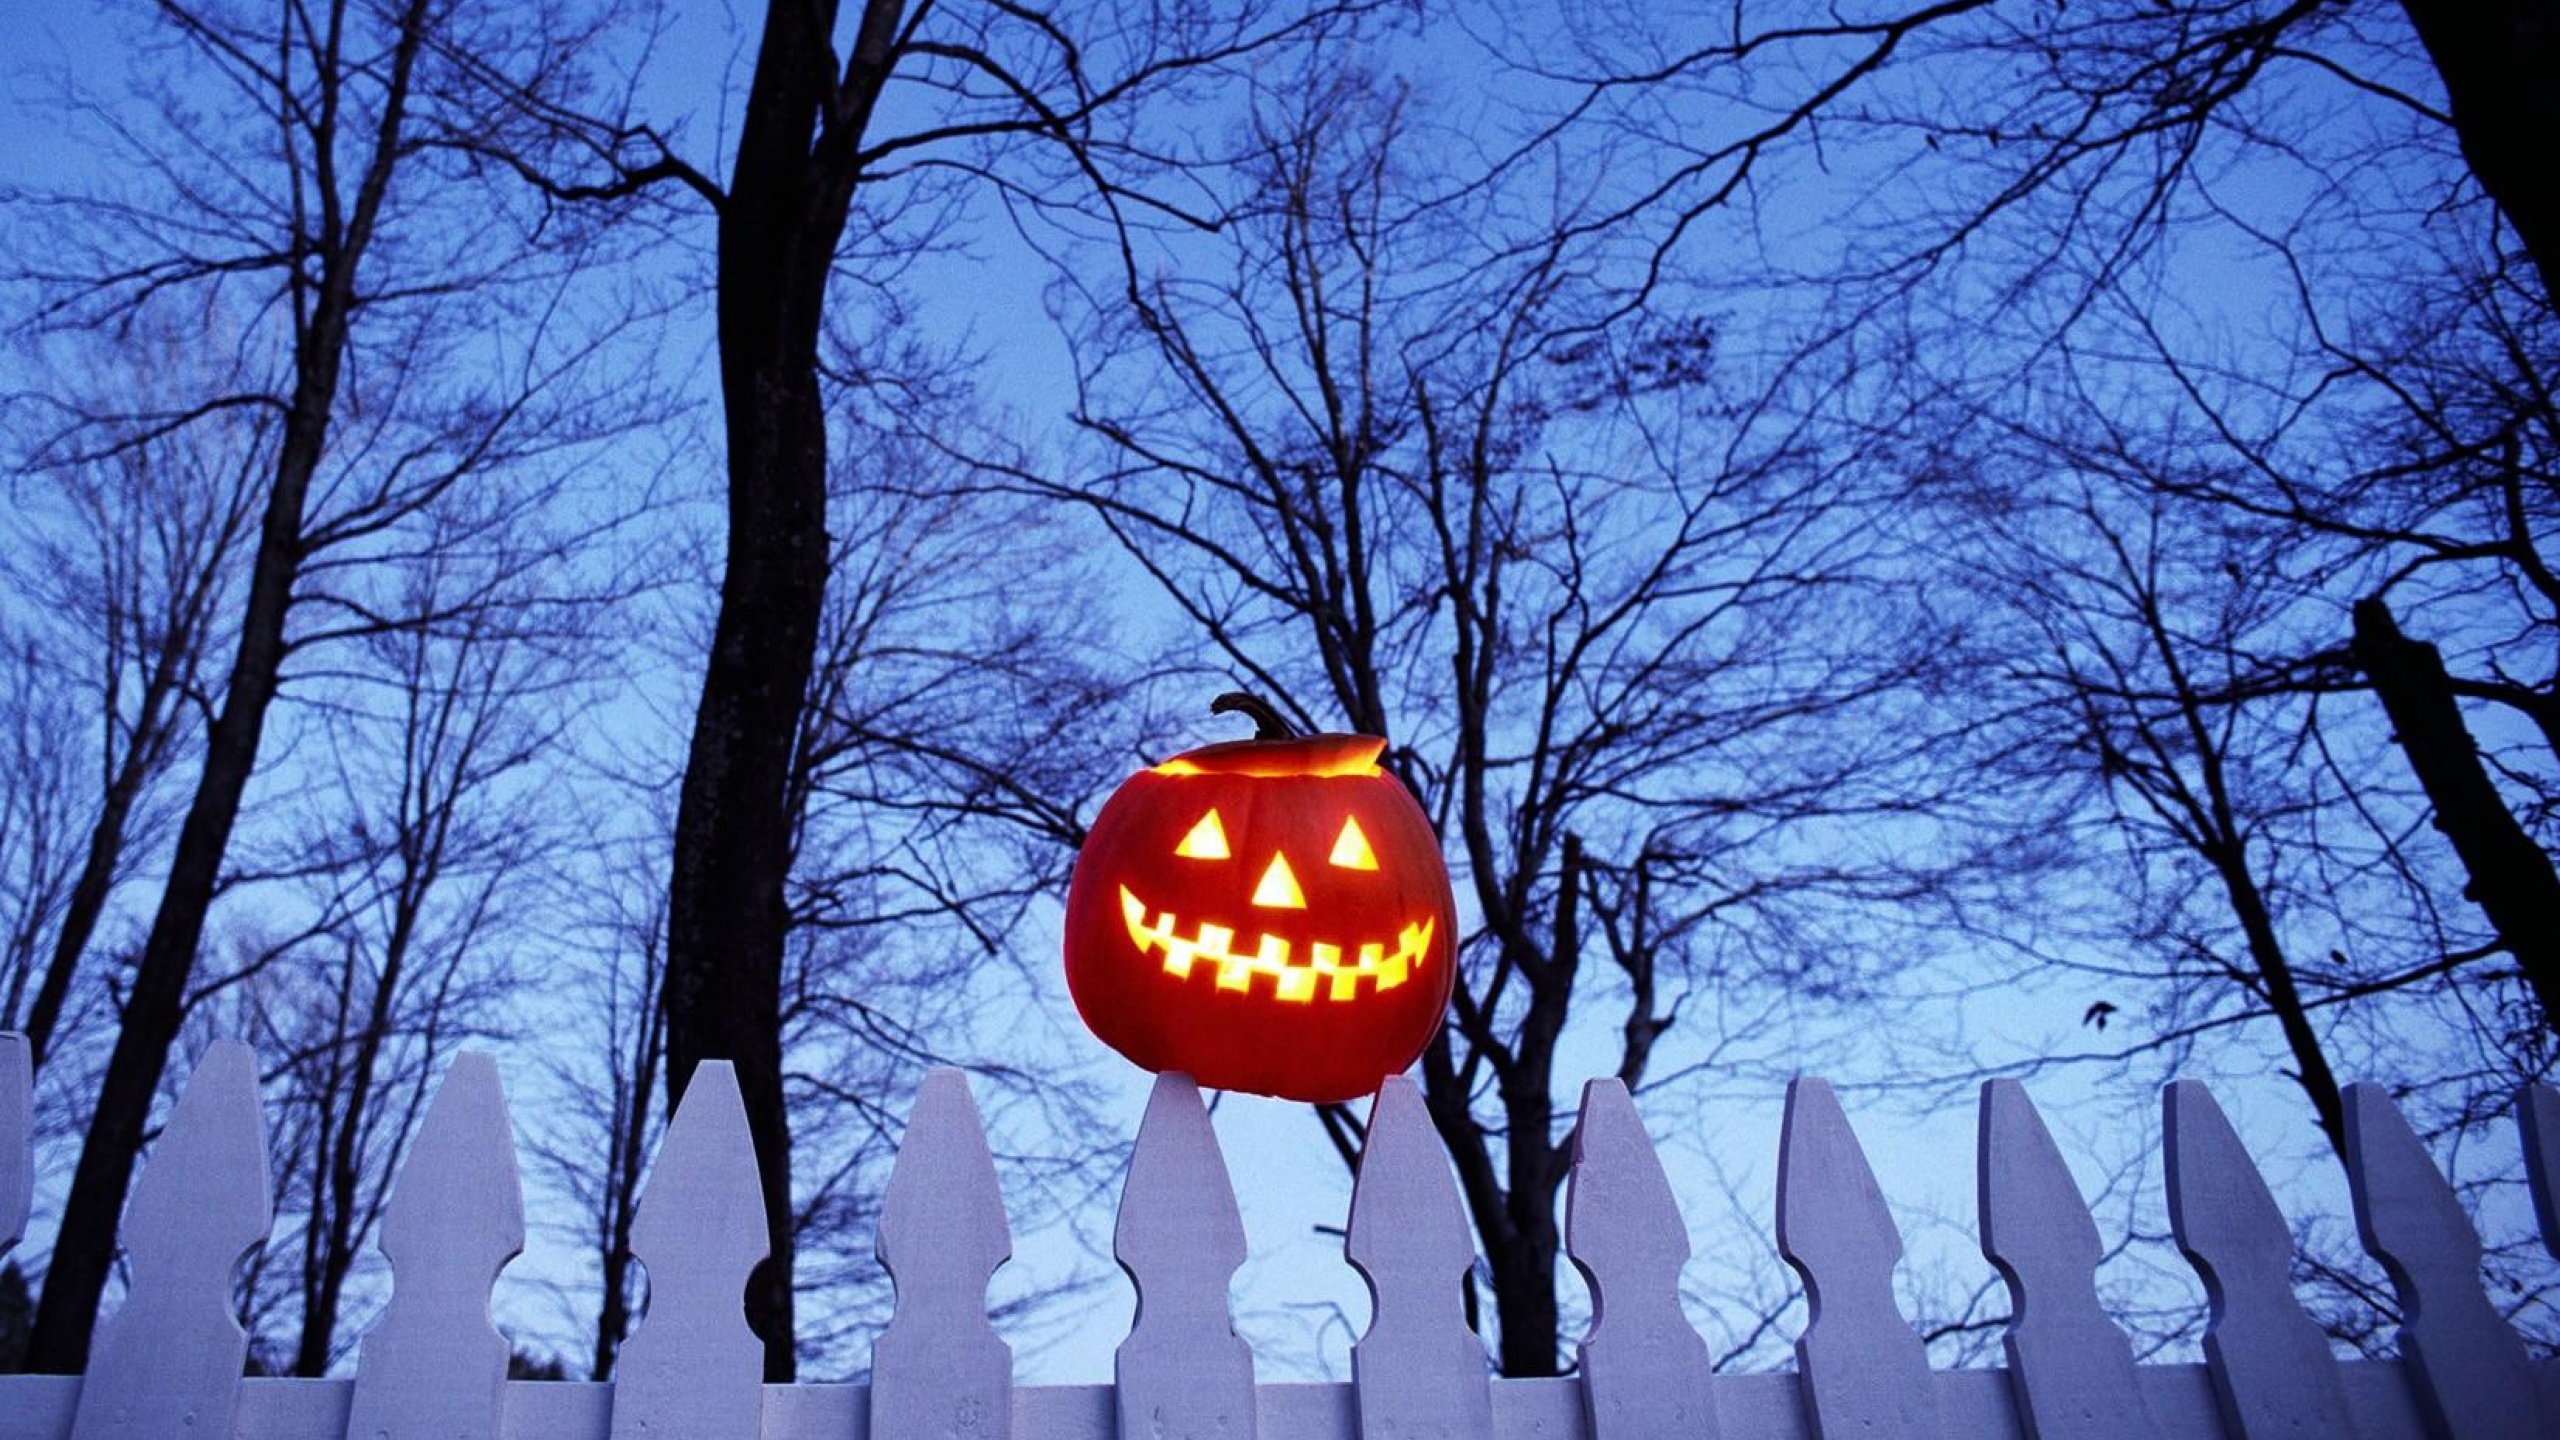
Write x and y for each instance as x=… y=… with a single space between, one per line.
x=1324 y=970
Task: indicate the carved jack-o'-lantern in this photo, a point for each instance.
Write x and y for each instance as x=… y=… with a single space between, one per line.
x=1269 y=915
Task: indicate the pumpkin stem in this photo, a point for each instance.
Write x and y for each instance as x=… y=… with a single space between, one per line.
x=1268 y=722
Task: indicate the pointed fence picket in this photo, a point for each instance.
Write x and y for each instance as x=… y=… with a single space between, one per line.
x=2072 y=1367
x=1865 y=1372
x=17 y=1130
x=693 y=1369
x=435 y=1367
x=168 y=1362
x=1420 y=1373
x=1645 y=1370
x=2466 y=1363
x=2538 y=1114
x=1183 y=1373
x=2269 y=1361
x=939 y=1371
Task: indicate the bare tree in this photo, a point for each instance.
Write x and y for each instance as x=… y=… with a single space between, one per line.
x=441 y=826
x=961 y=694
x=2381 y=425
x=128 y=561
x=2414 y=450
x=1960 y=115
x=960 y=722
x=2193 y=735
x=2154 y=667
x=1636 y=640
x=815 y=193
x=2247 y=244
x=363 y=245
x=612 y=1111
x=39 y=815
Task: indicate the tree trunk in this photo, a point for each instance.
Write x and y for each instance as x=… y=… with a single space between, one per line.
x=2500 y=60
x=143 y=750
x=727 y=921
x=1444 y=1095
x=1524 y=1270
x=2284 y=997
x=1515 y=1216
x=2512 y=879
x=726 y=918
x=88 y=902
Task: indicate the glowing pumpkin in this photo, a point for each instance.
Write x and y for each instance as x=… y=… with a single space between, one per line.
x=1269 y=915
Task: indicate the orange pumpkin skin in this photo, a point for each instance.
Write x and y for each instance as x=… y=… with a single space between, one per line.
x=1183 y=958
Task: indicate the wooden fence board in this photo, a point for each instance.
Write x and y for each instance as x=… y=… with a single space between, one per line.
x=2473 y=1380
x=549 y=1410
x=834 y=1412
x=694 y=1370
x=427 y=1370
x=1540 y=1407
x=39 y=1407
x=2072 y=1368
x=1772 y=1406
x=2538 y=1116
x=2270 y=1361
x=17 y=1138
x=1754 y=1406
x=1865 y=1371
x=168 y=1362
x=1303 y=1411
x=1070 y=1412
x=1183 y=1373
x=435 y=1367
x=2385 y=1401
x=1420 y=1371
x=1644 y=1368
x=273 y=1409
x=939 y=1371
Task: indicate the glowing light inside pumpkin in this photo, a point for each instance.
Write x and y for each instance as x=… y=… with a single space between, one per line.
x=1351 y=849
x=1278 y=889
x=1207 y=840
x=1326 y=970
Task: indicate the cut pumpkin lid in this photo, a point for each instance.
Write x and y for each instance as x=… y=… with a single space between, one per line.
x=1299 y=755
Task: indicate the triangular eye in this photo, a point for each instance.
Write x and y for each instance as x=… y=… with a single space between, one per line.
x=1279 y=888
x=1207 y=840
x=1351 y=849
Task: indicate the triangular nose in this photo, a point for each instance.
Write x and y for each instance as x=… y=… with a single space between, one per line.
x=1279 y=888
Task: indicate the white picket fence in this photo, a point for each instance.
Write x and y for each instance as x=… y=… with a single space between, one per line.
x=168 y=1363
